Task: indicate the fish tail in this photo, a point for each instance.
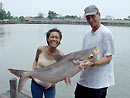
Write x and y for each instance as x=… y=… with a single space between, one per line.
x=23 y=80
x=16 y=72
x=24 y=75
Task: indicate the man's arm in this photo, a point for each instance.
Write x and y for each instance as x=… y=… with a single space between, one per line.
x=102 y=61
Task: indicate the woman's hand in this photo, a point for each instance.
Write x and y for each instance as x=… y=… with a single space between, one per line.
x=30 y=76
x=50 y=85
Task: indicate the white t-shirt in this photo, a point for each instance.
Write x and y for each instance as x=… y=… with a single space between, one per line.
x=99 y=76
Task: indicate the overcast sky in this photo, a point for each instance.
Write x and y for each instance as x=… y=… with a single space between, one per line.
x=115 y=8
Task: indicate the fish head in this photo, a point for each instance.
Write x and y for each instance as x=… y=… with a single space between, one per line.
x=86 y=54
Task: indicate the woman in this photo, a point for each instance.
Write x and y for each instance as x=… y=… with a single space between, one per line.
x=44 y=58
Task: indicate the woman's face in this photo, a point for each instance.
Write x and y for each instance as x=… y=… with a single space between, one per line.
x=54 y=39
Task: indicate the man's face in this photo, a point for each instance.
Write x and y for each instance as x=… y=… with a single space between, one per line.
x=93 y=20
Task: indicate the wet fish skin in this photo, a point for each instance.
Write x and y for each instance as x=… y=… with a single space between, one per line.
x=63 y=69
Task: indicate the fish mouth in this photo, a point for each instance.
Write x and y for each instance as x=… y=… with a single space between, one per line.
x=96 y=51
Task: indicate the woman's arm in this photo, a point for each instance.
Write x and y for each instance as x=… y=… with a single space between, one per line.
x=61 y=53
x=36 y=58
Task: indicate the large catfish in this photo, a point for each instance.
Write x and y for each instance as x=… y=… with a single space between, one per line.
x=65 y=67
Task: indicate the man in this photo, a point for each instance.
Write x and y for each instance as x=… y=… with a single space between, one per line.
x=97 y=76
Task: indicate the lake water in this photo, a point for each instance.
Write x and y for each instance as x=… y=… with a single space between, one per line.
x=18 y=44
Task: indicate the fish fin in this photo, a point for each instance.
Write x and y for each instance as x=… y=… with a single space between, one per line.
x=77 y=62
x=67 y=81
x=16 y=72
x=57 y=57
x=22 y=80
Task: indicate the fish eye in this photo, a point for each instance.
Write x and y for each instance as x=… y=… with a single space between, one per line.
x=90 y=56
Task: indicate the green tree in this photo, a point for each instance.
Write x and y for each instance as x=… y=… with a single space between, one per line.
x=2 y=14
x=21 y=19
x=40 y=15
x=51 y=15
x=1 y=5
x=8 y=15
x=71 y=16
x=129 y=17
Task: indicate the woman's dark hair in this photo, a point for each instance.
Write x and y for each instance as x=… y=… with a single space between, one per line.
x=53 y=30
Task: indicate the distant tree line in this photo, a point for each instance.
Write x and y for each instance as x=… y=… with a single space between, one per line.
x=51 y=15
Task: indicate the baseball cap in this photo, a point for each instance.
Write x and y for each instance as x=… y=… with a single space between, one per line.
x=90 y=10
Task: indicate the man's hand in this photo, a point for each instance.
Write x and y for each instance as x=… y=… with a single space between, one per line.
x=87 y=64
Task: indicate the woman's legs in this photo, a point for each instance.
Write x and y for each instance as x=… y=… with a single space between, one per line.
x=50 y=92
x=36 y=90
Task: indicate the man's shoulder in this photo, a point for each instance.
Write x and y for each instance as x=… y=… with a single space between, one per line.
x=105 y=30
x=88 y=32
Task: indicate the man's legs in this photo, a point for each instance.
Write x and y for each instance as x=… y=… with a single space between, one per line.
x=84 y=92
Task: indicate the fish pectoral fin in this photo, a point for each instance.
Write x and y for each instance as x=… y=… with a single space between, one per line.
x=77 y=62
x=67 y=81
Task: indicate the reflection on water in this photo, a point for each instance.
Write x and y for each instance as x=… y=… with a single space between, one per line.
x=2 y=36
x=18 y=44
